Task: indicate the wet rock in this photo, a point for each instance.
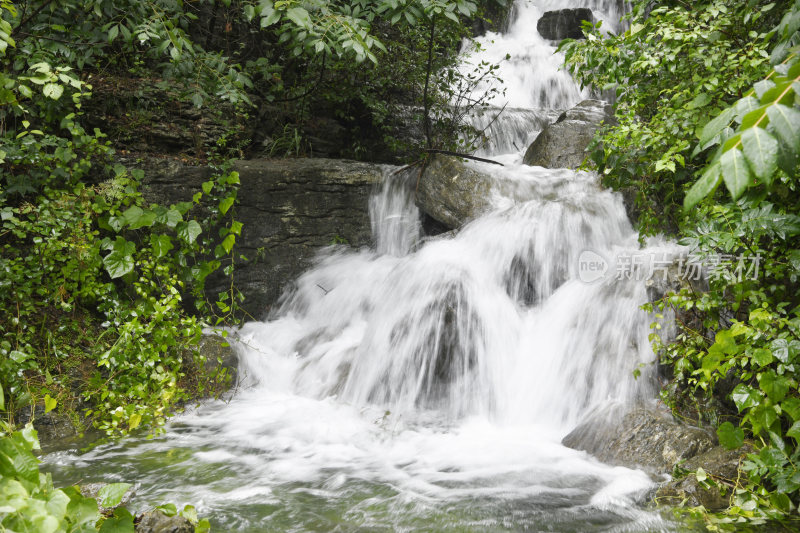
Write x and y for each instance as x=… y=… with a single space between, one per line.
x=720 y=465
x=451 y=192
x=494 y=18
x=675 y=277
x=563 y=143
x=290 y=208
x=157 y=522
x=644 y=437
x=53 y=428
x=219 y=354
x=563 y=23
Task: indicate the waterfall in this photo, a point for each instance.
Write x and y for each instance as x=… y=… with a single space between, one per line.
x=425 y=384
x=493 y=321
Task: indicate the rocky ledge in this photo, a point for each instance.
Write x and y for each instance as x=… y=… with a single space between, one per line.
x=649 y=438
x=290 y=208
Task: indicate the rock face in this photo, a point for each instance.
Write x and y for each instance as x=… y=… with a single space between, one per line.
x=494 y=18
x=563 y=143
x=451 y=192
x=563 y=23
x=290 y=209
x=644 y=437
x=148 y=115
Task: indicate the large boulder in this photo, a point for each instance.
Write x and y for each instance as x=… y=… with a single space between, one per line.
x=290 y=208
x=564 y=23
x=721 y=467
x=643 y=437
x=219 y=354
x=563 y=143
x=451 y=192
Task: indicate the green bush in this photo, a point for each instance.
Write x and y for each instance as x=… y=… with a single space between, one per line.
x=710 y=95
x=29 y=503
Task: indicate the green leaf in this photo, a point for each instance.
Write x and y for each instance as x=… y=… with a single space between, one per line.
x=189 y=513
x=762 y=87
x=270 y=18
x=228 y=243
x=134 y=421
x=700 y=474
x=137 y=218
x=724 y=342
x=707 y=183
x=787 y=159
x=2 y=399
x=794 y=432
x=761 y=151
x=18 y=356
x=791 y=406
x=113 y=32
x=745 y=396
x=111 y=495
x=299 y=16
x=120 y=261
x=161 y=245
x=735 y=172
x=169 y=217
x=168 y=509
x=715 y=126
x=132 y=214
x=121 y=522
x=762 y=356
x=189 y=231
x=226 y=204
x=774 y=385
x=786 y=123
x=49 y=403
x=700 y=100
x=729 y=436
x=745 y=106
x=53 y=90
x=756 y=117
x=780 y=501
x=780 y=349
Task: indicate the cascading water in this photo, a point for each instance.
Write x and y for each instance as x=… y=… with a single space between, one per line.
x=425 y=385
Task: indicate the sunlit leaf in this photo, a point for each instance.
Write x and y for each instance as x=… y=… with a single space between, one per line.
x=735 y=172
x=761 y=151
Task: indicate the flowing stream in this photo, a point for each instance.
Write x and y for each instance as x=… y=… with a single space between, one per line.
x=426 y=384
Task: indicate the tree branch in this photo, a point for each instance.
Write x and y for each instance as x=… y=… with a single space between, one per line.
x=465 y=156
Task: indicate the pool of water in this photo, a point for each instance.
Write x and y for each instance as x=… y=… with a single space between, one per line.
x=286 y=463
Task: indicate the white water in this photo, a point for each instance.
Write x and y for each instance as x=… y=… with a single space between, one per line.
x=426 y=384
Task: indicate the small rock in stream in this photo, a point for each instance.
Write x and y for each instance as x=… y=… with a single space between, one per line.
x=157 y=522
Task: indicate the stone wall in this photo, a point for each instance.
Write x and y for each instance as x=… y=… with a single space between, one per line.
x=290 y=208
